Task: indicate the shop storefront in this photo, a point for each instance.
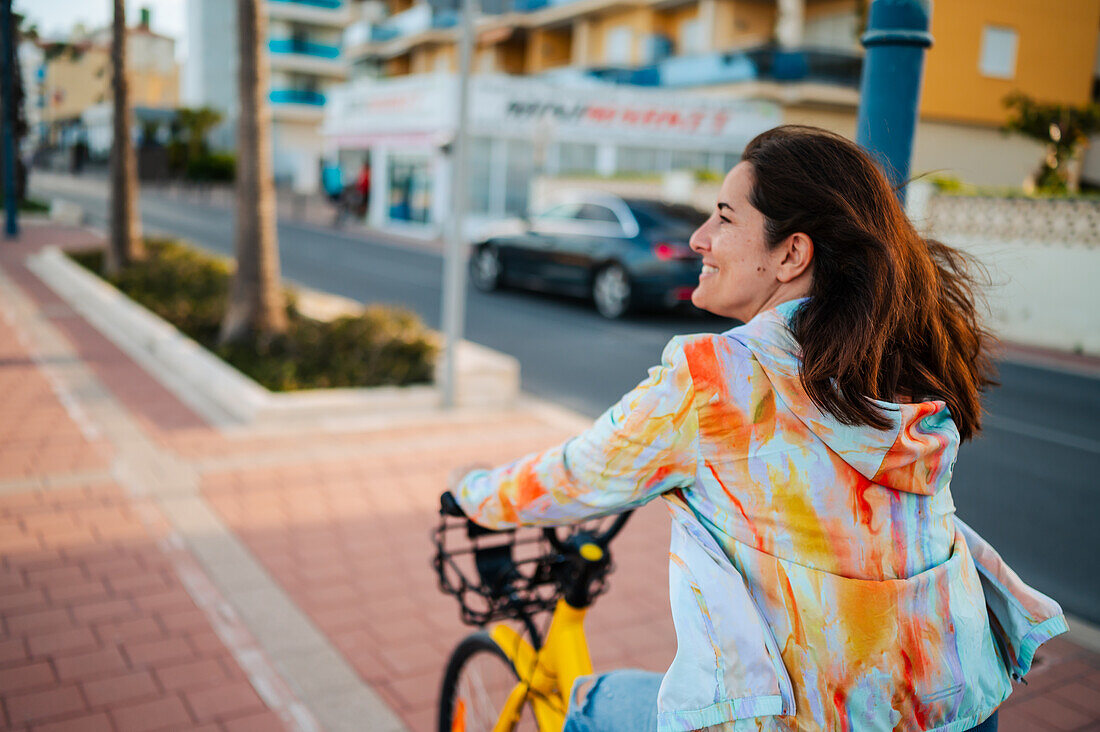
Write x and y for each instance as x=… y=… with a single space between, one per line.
x=521 y=127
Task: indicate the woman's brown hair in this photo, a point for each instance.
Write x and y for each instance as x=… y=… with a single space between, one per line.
x=891 y=315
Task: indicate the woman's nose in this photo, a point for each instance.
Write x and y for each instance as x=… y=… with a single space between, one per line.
x=699 y=240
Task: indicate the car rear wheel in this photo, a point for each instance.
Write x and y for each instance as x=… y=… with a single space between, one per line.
x=486 y=269
x=611 y=291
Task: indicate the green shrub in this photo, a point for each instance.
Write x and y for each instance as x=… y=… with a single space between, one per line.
x=706 y=175
x=947 y=183
x=33 y=205
x=189 y=289
x=212 y=168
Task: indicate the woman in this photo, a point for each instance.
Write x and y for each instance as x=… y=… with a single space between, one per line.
x=819 y=579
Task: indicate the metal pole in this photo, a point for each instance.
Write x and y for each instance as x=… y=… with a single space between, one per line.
x=454 y=270
x=11 y=221
x=896 y=38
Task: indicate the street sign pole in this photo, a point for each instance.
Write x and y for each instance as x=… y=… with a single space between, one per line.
x=896 y=38
x=454 y=270
x=7 y=91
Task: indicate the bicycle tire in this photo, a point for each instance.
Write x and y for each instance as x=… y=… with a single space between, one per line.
x=467 y=661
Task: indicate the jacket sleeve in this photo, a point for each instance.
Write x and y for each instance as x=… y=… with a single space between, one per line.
x=640 y=448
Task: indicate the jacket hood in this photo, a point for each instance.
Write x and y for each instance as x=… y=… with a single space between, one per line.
x=915 y=454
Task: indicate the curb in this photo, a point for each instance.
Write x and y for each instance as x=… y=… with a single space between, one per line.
x=221 y=394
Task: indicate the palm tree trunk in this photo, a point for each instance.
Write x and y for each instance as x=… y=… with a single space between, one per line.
x=256 y=303
x=125 y=244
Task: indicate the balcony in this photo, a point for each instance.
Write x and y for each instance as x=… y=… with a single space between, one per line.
x=296 y=96
x=297 y=105
x=326 y=4
x=305 y=48
x=762 y=64
x=332 y=13
x=301 y=56
x=398 y=32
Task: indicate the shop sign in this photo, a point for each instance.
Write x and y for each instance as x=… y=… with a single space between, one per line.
x=525 y=107
x=605 y=113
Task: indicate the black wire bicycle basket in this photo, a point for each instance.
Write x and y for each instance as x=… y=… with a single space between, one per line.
x=514 y=574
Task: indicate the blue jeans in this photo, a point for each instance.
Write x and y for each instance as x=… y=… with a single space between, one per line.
x=626 y=701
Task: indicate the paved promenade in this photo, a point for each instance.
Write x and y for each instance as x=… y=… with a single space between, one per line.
x=160 y=573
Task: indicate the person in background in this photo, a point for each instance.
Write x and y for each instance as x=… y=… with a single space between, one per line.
x=819 y=577
x=362 y=189
x=332 y=181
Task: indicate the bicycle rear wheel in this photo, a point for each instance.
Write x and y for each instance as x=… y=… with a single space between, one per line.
x=477 y=682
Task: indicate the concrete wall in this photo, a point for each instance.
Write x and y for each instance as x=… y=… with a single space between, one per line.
x=1042 y=257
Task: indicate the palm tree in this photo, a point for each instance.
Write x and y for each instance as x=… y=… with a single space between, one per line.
x=125 y=244
x=256 y=303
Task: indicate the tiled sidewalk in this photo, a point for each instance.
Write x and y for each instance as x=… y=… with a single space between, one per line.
x=101 y=628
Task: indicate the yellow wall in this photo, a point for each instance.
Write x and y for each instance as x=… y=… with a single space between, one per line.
x=669 y=23
x=398 y=65
x=641 y=21
x=739 y=23
x=512 y=56
x=74 y=84
x=150 y=89
x=1054 y=56
x=548 y=48
x=833 y=7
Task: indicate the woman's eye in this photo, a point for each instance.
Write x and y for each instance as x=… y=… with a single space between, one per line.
x=724 y=220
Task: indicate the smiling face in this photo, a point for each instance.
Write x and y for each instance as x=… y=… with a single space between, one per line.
x=741 y=276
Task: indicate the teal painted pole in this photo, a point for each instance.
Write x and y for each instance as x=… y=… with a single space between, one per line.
x=896 y=38
x=11 y=205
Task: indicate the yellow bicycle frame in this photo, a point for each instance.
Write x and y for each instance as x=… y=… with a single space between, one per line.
x=546 y=676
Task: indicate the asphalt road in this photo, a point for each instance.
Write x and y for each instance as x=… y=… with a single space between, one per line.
x=1030 y=484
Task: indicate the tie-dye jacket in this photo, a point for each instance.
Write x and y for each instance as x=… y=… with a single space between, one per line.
x=819 y=578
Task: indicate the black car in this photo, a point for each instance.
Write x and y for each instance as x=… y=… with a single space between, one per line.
x=624 y=253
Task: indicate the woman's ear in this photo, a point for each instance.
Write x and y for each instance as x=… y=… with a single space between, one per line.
x=797 y=255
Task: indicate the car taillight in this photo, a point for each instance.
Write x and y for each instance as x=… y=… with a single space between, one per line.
x=665 y=251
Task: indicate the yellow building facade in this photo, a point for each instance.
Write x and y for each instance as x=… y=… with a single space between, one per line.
x=79 y=76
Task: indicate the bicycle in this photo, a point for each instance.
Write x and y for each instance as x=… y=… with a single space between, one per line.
x=499 y=680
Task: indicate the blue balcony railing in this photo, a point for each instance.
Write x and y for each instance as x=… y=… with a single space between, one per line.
x=445 y=18
x=384 y=33
x=306 y=48
x=766 y=63
x=296 y=96
x=326 y=4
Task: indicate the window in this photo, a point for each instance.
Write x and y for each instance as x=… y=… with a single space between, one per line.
x=576 y=157
x=659 y=215
x=592 y=212
x=691 y=37
x=838 y=31
x=637 y=160
x=619 y=42
x=998 y=55
x=562 y=212
x=688 y=160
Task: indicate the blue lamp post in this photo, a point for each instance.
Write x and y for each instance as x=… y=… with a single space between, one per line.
x=896 y=38
x=7 y=133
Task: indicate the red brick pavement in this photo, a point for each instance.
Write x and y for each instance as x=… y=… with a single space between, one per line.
x=98 y=633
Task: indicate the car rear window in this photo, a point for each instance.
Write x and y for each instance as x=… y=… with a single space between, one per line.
x=657 y=214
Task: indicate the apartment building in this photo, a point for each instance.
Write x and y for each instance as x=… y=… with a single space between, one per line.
x=305 y=59
x=803 y=55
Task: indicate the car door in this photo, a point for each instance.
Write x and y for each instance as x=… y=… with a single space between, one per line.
x=524 y=256
x=600 y=238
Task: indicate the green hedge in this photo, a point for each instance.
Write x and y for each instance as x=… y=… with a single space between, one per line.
x=33 y=205
x=382 y=346
x=212 y=167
